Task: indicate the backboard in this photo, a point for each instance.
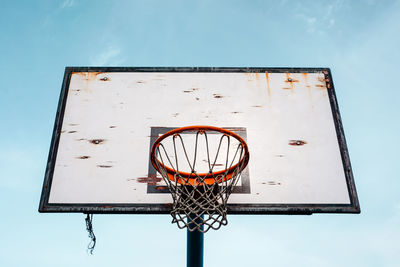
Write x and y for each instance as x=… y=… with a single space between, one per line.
x=108 y=118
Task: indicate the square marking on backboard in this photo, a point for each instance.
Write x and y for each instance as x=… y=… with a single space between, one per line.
x=156 y=185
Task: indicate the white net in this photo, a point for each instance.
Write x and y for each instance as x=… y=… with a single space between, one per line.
x=200 y=169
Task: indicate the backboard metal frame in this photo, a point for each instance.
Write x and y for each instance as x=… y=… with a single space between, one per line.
x=125 y=208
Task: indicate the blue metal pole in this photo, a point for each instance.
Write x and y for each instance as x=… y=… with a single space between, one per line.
x=195 y=247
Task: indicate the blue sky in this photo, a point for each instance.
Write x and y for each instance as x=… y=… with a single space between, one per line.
x=358 y=40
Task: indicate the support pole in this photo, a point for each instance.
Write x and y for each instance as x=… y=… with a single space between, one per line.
x=195 y=247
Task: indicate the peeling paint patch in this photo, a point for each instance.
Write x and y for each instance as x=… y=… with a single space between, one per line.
x=97 y=141
x=104 y=166
x=83 y=157
x=151 y=179
x=297 y=142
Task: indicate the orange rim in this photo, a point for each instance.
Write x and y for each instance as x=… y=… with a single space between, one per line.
x=227 y=173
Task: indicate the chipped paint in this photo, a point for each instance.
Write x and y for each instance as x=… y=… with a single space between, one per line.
x=83 y=157
x=151 y=179
x=297 y=142
x=97 y=141
x=104 y=166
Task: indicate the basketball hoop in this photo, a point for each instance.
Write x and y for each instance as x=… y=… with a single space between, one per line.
x=201 y=183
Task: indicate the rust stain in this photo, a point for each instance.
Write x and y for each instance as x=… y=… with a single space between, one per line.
x=306 y=79
x=151 y=179
x=88 y=76
x=83 y=157
x=257 y=75
x=290 y=80
x=107 y=207
x=297 y=142
x=72 y=132
x=324 y=80
x=217 y=96
x=104 y=79
x=268 y=88
x=104 y=166
x=257 y=106
x=97 y=141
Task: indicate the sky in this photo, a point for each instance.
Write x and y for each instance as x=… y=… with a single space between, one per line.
x=358 y=40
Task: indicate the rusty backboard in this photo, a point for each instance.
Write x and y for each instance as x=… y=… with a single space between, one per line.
x=108 y=118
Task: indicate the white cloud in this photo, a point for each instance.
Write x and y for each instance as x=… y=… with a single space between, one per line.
x=110 y=56
x=68 y=3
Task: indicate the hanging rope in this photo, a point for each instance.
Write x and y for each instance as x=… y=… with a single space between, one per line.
x=89 y=228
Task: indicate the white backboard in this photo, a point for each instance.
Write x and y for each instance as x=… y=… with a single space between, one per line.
x=108 y=119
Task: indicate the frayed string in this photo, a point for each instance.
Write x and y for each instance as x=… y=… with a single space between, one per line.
x=89 y=228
